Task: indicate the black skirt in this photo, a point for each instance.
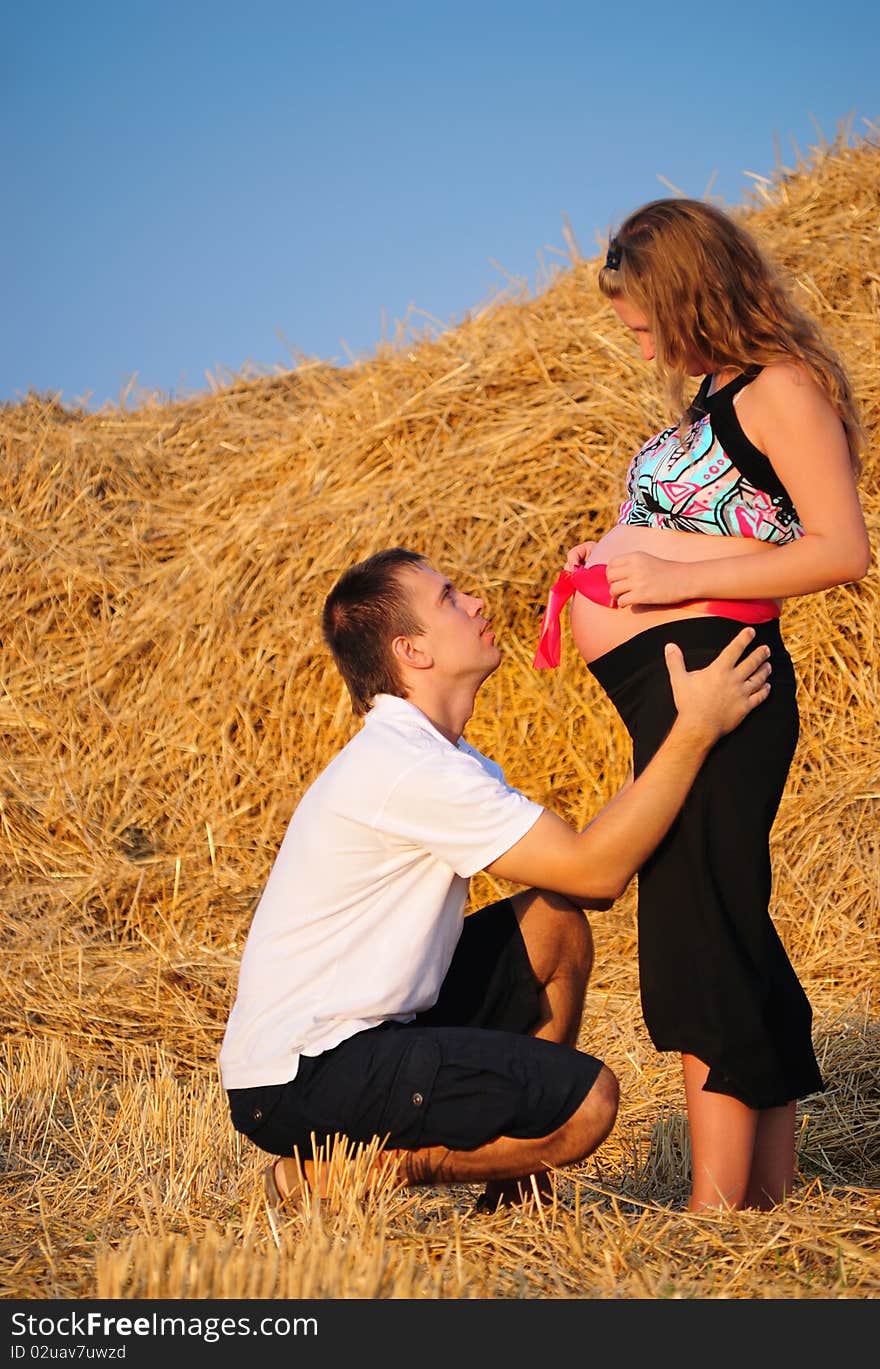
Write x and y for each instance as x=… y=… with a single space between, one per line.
x=714 y=977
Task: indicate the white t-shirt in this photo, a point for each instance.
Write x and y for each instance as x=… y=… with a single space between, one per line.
x=364 y=904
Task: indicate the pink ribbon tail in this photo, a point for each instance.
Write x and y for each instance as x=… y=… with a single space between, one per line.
x=549 y=649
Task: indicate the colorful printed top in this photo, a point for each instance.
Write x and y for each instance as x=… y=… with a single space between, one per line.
x=712 y=480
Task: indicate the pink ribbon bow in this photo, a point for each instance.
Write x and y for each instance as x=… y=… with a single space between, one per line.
x=591 y=581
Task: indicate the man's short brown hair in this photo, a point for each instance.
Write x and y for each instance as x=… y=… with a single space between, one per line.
x=366 y=609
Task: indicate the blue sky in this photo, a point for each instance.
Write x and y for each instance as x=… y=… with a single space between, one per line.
x=191 y=189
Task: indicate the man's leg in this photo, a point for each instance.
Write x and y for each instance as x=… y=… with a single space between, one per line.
x=559 y=944
x=515 y=1158
x=506 y=1158
x=555 y=952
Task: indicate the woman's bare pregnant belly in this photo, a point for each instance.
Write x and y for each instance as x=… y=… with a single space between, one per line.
x=596 y=629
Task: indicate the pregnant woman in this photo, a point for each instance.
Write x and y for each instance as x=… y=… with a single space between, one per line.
x=746 y=501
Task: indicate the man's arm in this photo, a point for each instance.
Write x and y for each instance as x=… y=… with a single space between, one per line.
x=596 y=865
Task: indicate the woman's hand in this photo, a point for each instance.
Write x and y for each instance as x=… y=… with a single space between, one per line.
x=579 y=555
x=640 y=579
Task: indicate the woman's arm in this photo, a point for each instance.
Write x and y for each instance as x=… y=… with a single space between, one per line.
x=786 y=415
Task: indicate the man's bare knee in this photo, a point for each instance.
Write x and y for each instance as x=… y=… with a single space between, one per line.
x=590 y=1123
x=555 y=931
x=580 y=935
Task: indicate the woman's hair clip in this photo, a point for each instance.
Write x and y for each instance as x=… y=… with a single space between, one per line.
x=612 y=258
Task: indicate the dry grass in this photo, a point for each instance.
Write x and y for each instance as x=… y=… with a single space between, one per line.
x=165 y=699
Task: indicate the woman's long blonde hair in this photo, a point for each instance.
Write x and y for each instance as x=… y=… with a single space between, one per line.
x=708 y=290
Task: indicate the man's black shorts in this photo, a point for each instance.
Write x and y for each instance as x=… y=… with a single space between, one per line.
x=459 y=1075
